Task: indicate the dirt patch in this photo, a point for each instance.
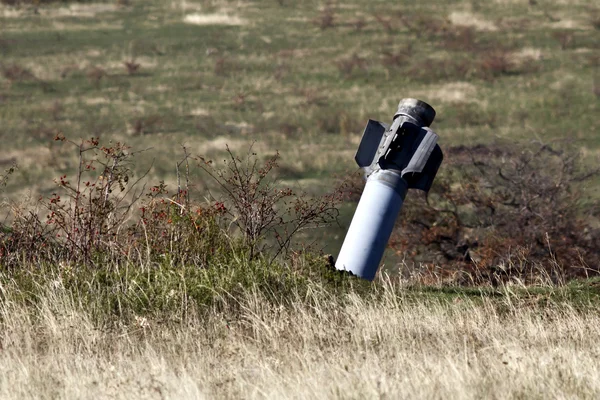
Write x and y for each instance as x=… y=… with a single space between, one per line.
x=465 y=18
x=213 y=19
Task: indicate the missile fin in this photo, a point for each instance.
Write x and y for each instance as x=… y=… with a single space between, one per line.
x=424 y=179
x=422 y=154
x=369 y=144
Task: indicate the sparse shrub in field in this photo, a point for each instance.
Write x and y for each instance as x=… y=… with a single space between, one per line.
x=565 y=38
x=261 y=209
x=83 y=217
x=337 y=122
x=326 y=19
x=495 y=63
x=461 y=38
x=391 y=59
x=7 y=173
x=347 y=65
x=95 y=75
x=359 y=24
x=146 y=125
x=131 y=66
x=17 y=73
x=595 y=19
x=385 y=22
x=501 y=212
x=126 y=251
x=99 y=215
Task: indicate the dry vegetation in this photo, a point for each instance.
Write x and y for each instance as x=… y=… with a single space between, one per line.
x=174 y=276
x=395 y=343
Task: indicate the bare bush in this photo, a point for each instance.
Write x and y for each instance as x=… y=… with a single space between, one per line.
x=326 y=19
x=500 y=212
x=347 y=65
x=263 y=210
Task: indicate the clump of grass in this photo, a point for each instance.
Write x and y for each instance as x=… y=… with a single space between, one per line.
x=17 y=73
x=396 y=59
x=132 y=67
x=95 y=75
x=348 y=65
x=326 y=19
x=496 y=63
x=564 y=37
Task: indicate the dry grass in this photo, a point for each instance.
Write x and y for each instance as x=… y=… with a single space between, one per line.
x=317 y=347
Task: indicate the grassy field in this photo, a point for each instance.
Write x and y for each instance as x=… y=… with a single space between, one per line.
x=299 y=78
x=395 y=341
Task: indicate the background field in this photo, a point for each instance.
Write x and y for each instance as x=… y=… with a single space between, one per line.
x=299 y=78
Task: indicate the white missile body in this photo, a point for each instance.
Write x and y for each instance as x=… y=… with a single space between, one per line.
x=372 y=224
x=395 y=158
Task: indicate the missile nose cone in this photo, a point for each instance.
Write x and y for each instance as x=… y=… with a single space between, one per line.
x=422 y=112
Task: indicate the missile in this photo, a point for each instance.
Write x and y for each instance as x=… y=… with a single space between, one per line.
x=397 y=157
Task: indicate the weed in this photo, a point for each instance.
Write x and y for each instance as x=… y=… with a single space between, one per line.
x=461 y=38
x=221 y=67
x=7 y=173
x=131 y=66
x=385 y=22
x=259 y=208
x=495 y=64
x=17 y=73
x=359 y=24
x=95 y=75
x=326 y=19
x=146 y=125
x=564 y=37
x=595 y=19
x=391 y=59
x=347 y=65
x=57 y=110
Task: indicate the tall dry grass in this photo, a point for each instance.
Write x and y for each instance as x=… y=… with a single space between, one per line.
x=387 y=345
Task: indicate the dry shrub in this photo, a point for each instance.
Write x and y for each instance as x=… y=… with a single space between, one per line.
x=224 y=66
x=147 y=125
x=564 y=37
x=496 y=63
x=359 y=24
x=501 y=212
x=95 y=75
x=131 y=66
x=266 y=214
x=347 y=65
x=461 y=38
x=337 y=122
x=391 y=59
x=595 y=19
x=431 y=70
x=385 y=22
x=326 y=19
x=16 y=73
x=100 y=214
